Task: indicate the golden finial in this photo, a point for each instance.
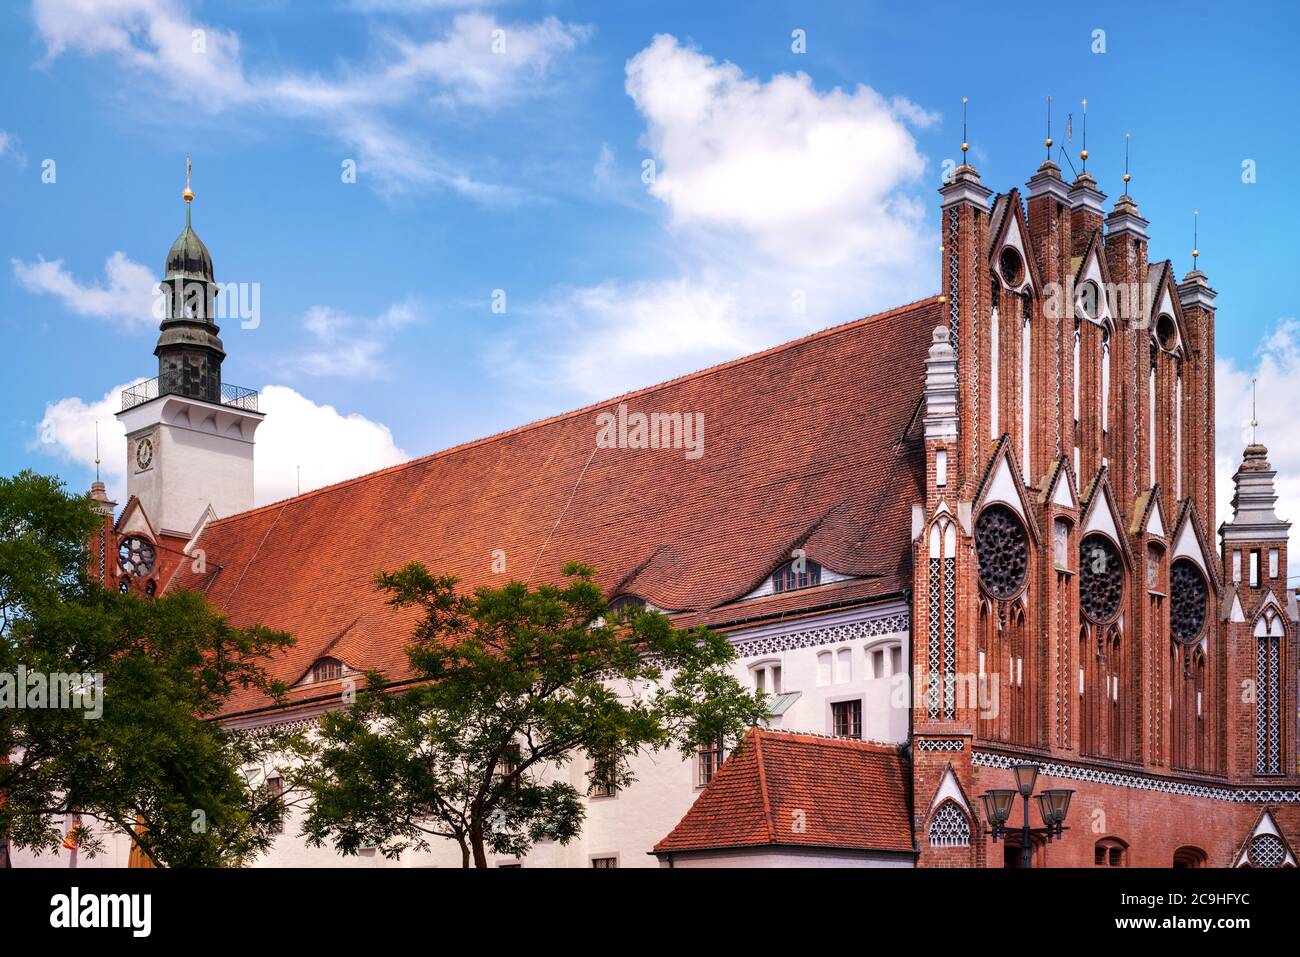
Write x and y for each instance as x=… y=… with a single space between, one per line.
x=1127 y=177
x=188 y=195
x=1083 y=153
x=1048 y=142
x=1195 y=252
x=97 y=450
x=964 y=145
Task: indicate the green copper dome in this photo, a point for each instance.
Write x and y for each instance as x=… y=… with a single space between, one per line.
x=188 y=259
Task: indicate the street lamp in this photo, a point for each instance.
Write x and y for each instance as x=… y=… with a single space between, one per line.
x=1053 y=805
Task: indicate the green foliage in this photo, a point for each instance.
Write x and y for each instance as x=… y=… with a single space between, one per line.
x=516 y=683
x=162 y=669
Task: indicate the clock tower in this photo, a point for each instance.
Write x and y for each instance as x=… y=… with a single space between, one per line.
x=189 y=435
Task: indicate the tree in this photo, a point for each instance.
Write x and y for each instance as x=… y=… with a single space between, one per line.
x=510 y=685
x=112 y=717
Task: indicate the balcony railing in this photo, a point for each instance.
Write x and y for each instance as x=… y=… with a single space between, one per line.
x=237 y=397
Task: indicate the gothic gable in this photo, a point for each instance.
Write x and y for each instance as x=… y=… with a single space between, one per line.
x=1011 y=230
x=1092 y=269
x=1101 y=515
x=1190 y=543
x=1002 y=483
x=1059 y=489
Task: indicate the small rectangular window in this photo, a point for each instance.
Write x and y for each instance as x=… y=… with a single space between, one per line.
x=1236 y=566
x=706 y=763
x=941 y=468
x=1254 y=569
x=604 y=863
x=896 y=660
x=1274 y=557
x=878 y=663
x=846 y=719
x=275 y=790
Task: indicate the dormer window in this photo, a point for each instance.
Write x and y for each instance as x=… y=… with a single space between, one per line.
x=327 y=669
x=795 y=575
x=622 y=603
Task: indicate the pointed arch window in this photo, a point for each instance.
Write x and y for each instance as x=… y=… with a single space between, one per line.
x=941 y=659
x=949 y=827
x=1105 y=380
x=1026 y=384
x=1269 y=634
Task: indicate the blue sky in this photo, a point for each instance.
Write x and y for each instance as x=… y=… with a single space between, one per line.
x=778 y=176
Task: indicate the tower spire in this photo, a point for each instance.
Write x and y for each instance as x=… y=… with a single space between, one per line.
x=1048 y=142
x=1127 y=177
x=1196 y=252
x=964 y=144
x=1254 y=418
x=1083 y=153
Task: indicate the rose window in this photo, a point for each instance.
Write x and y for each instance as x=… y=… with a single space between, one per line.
x=1002 y=551
x=1188 y=600
x=136 y=556
x=1101 y=579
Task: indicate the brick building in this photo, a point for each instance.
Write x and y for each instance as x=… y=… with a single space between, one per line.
x=970 y=531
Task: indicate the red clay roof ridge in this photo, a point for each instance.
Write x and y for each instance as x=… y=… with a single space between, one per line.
x=588 y=409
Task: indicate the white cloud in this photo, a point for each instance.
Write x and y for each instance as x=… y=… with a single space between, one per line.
x=193 y=61
x=812 y=177
x=328 y=445
x=788 y=208
x=350 y=346
x=127 y=294
x=1276 y=371
x=9 y=147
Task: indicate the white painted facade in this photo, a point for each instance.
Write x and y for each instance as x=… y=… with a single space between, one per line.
x=869 y=660
x=199 y=454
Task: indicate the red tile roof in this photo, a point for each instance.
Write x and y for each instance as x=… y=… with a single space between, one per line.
x=783 y=788
x=803 y=446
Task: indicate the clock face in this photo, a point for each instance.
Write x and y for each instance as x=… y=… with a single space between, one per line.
x=144 y=453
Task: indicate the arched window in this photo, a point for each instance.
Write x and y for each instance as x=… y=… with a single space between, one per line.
x=1188 y=601
x=1105 y=380
x=1002 y=551
x=824 y=665
x=767 y=676
x=326 y=669
x=885 y=660
x=1101 y=579
x=1026 y=386
x=796 y=574
x=949 y=827
x=843 y=666
x=623 y=603
x=1190 y=857
x=1110 y=852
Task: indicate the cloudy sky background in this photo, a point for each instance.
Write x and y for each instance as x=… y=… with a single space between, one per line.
x=790 y=191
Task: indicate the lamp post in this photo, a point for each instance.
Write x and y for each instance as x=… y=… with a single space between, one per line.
x=1053 y=805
